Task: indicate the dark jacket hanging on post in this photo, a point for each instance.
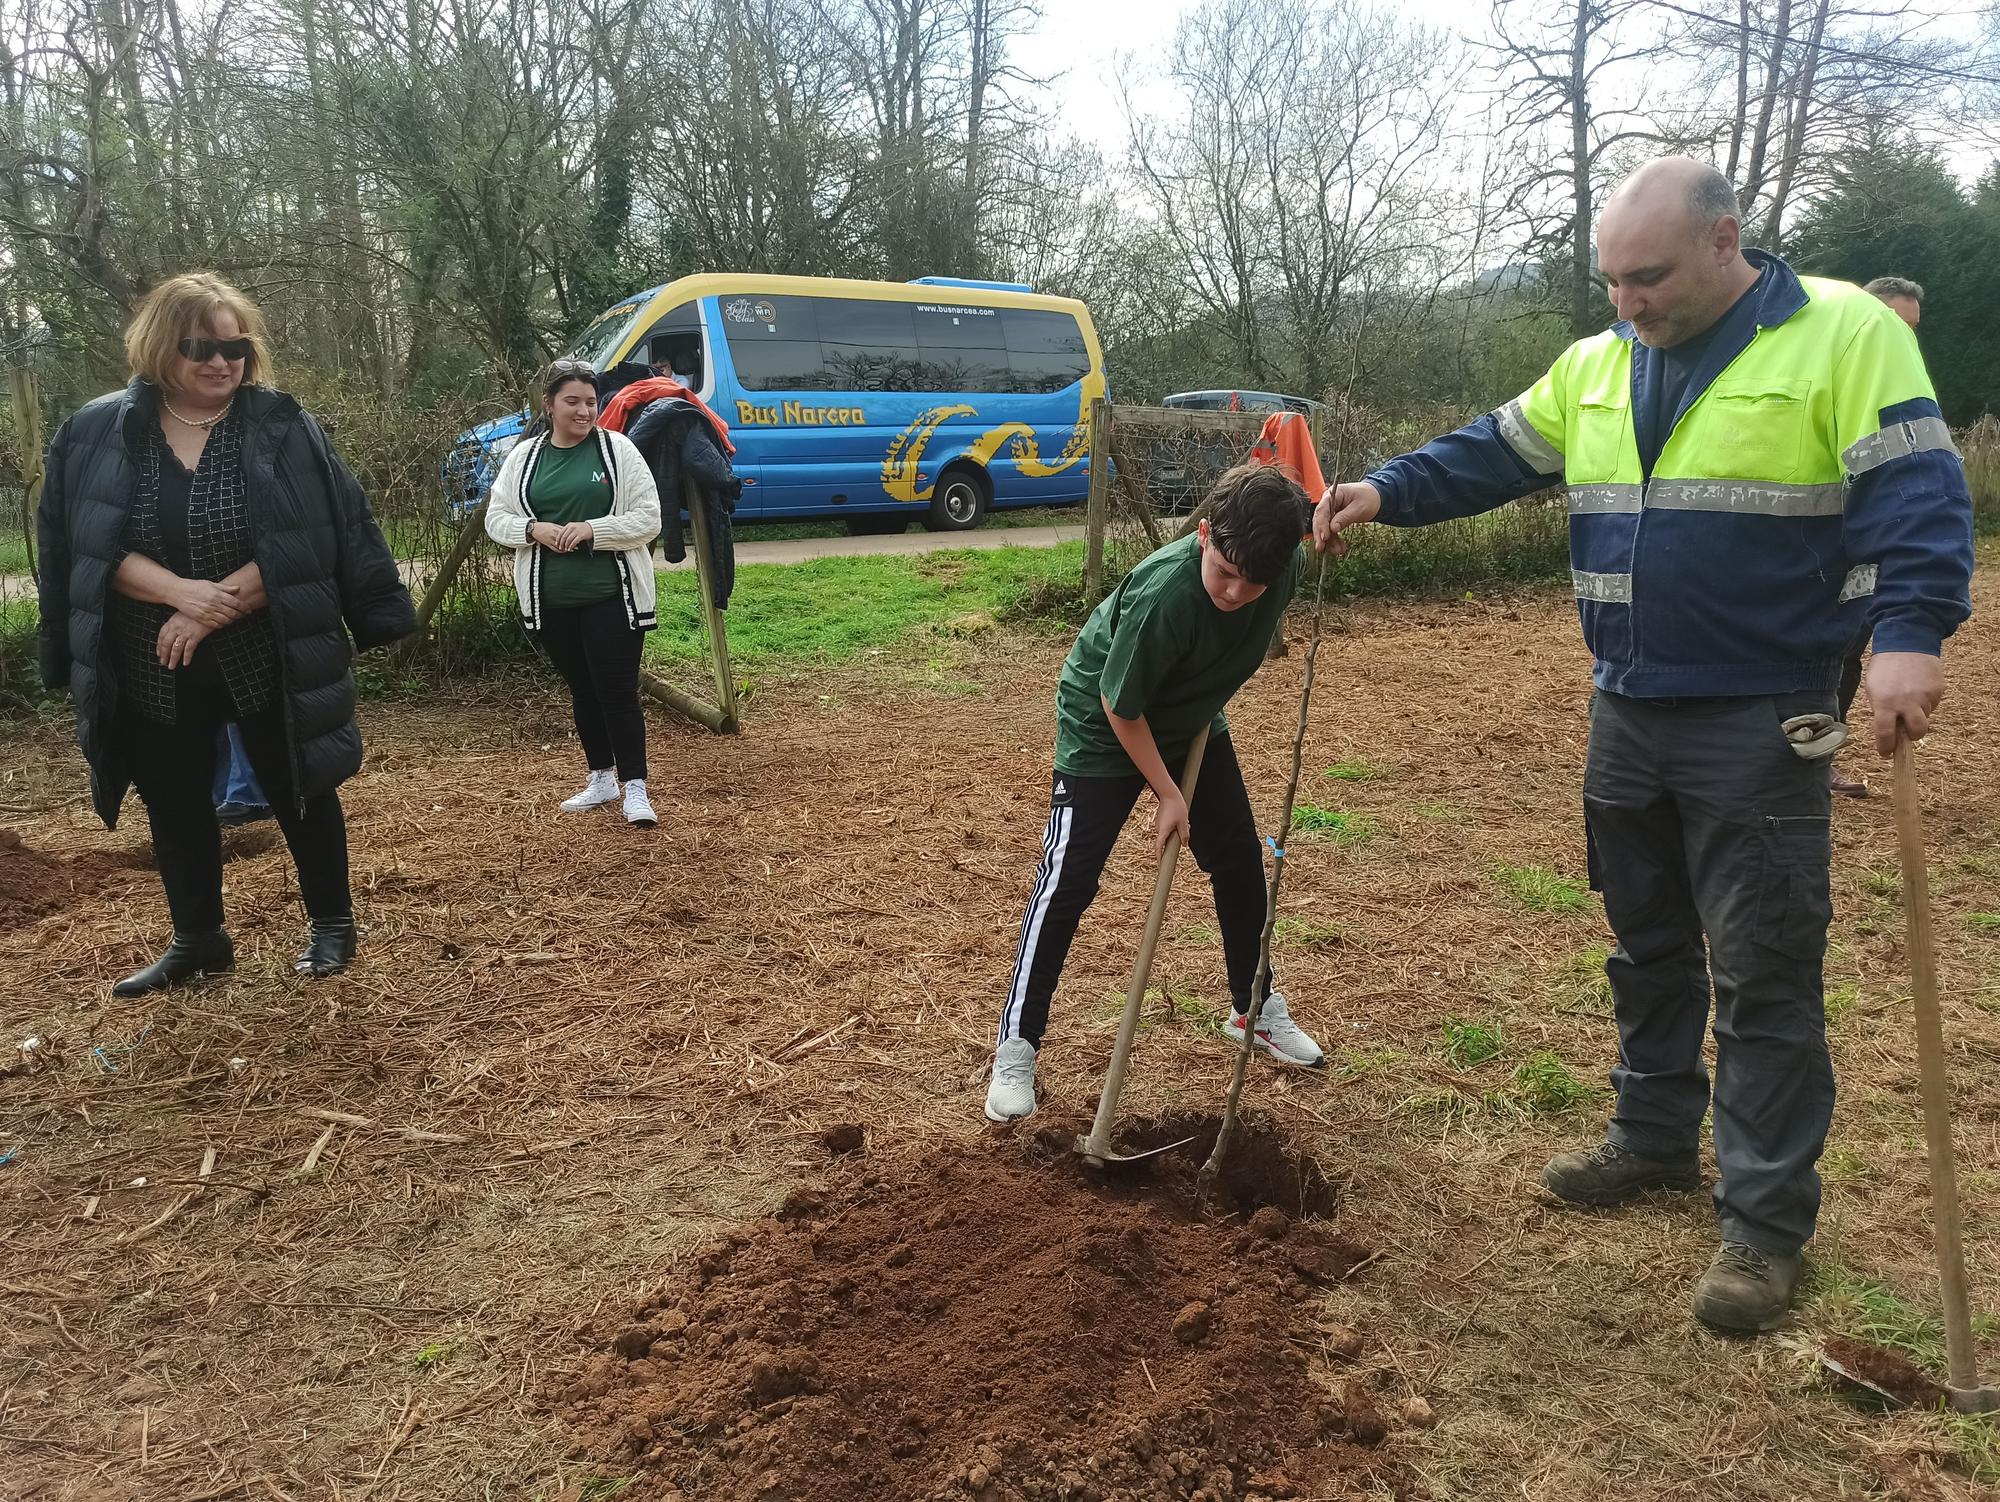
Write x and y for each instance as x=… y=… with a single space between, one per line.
x=679 y=442
x=328 y=575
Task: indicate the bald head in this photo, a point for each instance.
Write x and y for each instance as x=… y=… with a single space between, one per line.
x=1669 y=243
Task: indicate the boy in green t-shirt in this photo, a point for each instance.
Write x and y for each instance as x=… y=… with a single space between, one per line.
x=1157 y=660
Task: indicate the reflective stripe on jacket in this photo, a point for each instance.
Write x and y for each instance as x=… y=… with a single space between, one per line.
x=1808 y=492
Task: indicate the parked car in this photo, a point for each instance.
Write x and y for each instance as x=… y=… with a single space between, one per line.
x=1181 y=471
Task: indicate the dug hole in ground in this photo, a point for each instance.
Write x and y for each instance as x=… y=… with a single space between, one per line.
x=627 y=1164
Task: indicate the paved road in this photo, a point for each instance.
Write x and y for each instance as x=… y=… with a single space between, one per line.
x=798 y=549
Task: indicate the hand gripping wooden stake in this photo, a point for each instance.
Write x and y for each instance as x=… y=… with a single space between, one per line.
x=1096 y=1148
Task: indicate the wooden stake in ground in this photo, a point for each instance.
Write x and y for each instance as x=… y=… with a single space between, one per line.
x=1961 y=1358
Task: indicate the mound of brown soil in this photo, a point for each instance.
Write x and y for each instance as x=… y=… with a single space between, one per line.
x=34 y=884
x=992 y=1322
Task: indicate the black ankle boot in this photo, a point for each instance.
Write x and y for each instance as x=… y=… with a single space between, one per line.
x=188 y=957
x=329 y=948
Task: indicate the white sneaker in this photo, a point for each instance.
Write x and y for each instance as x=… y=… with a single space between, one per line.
x=600 y=790
x=1012 y=1093
x=1277 y=1035
x=637 y=809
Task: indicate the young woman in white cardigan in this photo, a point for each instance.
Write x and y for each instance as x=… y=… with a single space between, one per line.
x=579 y=508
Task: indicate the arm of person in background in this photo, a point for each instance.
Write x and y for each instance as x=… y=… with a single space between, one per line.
x=1909 y=513
x=1136 y=736
x=52 y=540
x=635 y=518
x=1510 y=452
x=374 y=601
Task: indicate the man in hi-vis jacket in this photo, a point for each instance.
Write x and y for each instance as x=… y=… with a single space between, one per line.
x=1757 y=468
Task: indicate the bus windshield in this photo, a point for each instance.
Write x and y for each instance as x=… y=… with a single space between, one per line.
x=598 y=343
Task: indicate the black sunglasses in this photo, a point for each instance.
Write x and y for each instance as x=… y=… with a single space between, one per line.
x=201 y=351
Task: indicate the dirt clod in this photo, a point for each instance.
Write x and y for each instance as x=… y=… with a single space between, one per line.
x=847 y=1137
x=1418 y=1414
x=1271 y=1223
x=1192 y=1324
x=1365 y=1424
x=1003 y=1357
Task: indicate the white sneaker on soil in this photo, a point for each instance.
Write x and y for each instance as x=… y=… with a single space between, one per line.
x=1012 y=1093
x=600 y=790
x=638 y=810
x=1277 y=1035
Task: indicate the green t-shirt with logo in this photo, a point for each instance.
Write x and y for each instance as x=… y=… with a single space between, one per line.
x=1158 y=646
x=570 y=485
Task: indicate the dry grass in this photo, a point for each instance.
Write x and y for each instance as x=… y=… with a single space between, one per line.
x=571 y=1051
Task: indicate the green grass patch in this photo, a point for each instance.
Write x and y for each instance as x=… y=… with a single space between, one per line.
x=1440 y=812
x=837 y=609
x=1580 y=984
x=1841 y=1000
x=1976 y=1438
x=1885 y=882
x=1544 y=1085
x=1843 y=1165
x=1541 y=890
x=1193 y=1013
x=601 y=1488
x=1304 y=933
x=1871 y=1311
x=432 y=1354
x=13 y=554
x=1352 y=771
x=1356 y=1064
x=1468 y=1044
x=1446 y=1104
x=1340 y=828
x=1202 y=933
x=1986 y=922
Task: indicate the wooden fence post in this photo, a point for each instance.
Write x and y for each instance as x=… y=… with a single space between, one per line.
x=1097 y=507
x=718 y=633
x=470 y=534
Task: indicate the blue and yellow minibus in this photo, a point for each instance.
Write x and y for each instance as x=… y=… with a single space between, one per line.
x=874 y=401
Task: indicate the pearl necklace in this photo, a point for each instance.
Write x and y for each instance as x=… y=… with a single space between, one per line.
x=191 y=422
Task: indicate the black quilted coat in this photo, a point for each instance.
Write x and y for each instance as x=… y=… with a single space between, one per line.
x=327 y=571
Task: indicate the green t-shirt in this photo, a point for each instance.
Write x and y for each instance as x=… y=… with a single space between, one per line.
x=570 y=485
x=1158 y=646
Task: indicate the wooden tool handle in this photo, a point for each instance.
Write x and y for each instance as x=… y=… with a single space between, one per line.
x=1098 y=1143
x=1961 y=1359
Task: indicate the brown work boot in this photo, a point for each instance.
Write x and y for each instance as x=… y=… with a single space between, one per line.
x=1608 y=1174
x=1849 y=787
x=1746 y=1288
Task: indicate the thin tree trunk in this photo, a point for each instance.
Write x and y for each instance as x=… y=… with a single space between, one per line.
x=1795 y=135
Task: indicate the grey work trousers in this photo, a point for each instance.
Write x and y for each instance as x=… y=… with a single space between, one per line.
x=1703 y=821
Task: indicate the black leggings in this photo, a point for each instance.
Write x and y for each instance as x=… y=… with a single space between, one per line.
x=1085 y=816
x=597 y=652
x=173 y=767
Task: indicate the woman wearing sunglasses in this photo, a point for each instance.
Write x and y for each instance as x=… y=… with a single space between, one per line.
x=578 y=506
x=205 y=561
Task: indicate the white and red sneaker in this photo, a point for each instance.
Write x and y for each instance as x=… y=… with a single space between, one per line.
x=1277 y=1035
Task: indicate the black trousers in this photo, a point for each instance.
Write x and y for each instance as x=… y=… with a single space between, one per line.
x=1705 y=825
x=1085 y=816
x=173 y=767
x=597 y=653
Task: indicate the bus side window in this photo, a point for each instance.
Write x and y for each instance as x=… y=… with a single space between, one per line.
x=774 y=342
x=676 y=339
x=1045 y=350
x=868 y=346
x=962 y=349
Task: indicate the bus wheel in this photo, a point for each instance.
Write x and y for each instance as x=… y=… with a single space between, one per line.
x=958 y=504
x=877 y=523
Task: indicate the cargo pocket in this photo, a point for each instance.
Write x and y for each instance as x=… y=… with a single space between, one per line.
x=1794 y=900
x=1755 y=429
x=1597 y=438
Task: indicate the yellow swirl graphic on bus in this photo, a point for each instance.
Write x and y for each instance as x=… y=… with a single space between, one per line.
x=902 y=465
